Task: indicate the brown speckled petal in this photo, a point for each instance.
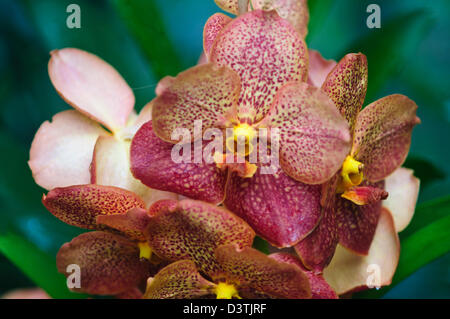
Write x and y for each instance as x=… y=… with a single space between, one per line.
x=250 y=268
x=266 y=52
x=346 y=85
x=320 y=289
x=280 y=209
x=317 y=249
x=191 y=229
x=179 y=280
x=133 y=223
x=357 y=223
x=109 y=263
x=383 y=135
x=314 y=137
x=213 y=26
x=206 y=93
x=295 y=11
x=348 y=271
x=151 y=162
x=79 y=205
x=230 y=6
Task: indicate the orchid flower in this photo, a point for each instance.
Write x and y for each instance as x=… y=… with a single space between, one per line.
x=91 y=143
x=211 y=254
x=354 y=217
x=255 y=79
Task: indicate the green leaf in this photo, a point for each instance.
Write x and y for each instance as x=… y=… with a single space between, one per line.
x=421 y=247
x=261 y=245
x=37 y=265
x=144 y=21
x=391 y=47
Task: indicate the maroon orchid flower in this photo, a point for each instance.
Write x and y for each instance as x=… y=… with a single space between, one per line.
x=210 y=248
x=381 y=135
x=255 y=79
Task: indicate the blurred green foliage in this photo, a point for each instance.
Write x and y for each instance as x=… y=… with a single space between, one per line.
x=147 y=39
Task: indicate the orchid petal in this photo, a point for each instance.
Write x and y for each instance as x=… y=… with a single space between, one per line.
x=266 y=52
x=230 y=6
x=356 y=223
x=80 y=205
x=252 y=269
x=314 y=138
x=191 y=229
x=383 y=135
x=151 y=163
x=163 y=84
x=92 y=86
x=346 y=85
x=317 y=249
x=403 y=189
x=205 y=93
x=319 y=68
x=133 y=223
x=144 y=116
x=213 y=26
x=348 y=271
x=179 y=280
x=109 y=263
x=280 y=209
x=320 y=289
x=111 y=167
x=61 y=151
x=295 y=11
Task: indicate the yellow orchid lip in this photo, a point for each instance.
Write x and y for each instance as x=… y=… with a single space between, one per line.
x=351 y=174
x=241 y=130
x=224 y=290
x=145 y=251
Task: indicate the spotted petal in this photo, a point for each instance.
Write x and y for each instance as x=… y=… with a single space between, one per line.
x=320 y=289
x=266 y=52
x=252 y=269
x=314 y=138
x=80 y=205
x=133 y=223
x=191 y=229
x=348 y=271
x=92 y=86
x=205 y=93
x=403 y=189
x=280 y=209
x=383 y=135
x=356 y=223
x=295 y=11
x=318 y=68
x=61 y=151
x=213 y=26
x=346 y=85
x=152 y=163
x=179 y=280
x=109 y=263
x=111 y=167
x=231 y=6
x=317 y=249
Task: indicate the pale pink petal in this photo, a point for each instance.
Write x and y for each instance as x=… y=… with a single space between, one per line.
x=403 y=189
x=26 y=293
x=62 y=150
x=111 y=167
x=92 y=86
x=348 y=271
x=319 y=68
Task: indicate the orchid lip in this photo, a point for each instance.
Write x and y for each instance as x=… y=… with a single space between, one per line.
x=225 y=290
x=351 y=174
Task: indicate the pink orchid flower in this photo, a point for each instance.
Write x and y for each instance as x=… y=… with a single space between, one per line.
x=91 y=143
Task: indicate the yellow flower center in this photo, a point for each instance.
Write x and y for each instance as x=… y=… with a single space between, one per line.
x=145 y=251
x=239 y=131
x=351 y=174
x=226 y=291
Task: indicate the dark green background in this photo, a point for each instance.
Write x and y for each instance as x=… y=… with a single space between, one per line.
x=147 y=39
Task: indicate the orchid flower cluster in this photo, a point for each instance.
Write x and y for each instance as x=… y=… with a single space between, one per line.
x=166 y=229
